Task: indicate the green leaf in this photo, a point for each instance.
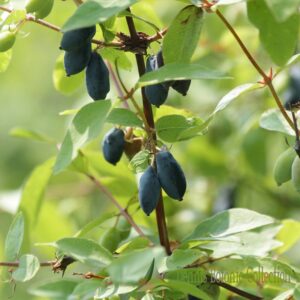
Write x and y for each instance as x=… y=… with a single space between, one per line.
x=166 y=110
x=33 y=195
x=85 y=290
x=109 y=289
x=229 y=222
x=244 y=243
x=186 y=288
x=69 y=112
x=254 y=149
x=282 y=10
x=293 y=60
x=85 y=251
x=95 y=11
x=30 y=135
x=179 y=71
x=140 y=161
x=148 y=297
x=191 y=275
x=64 y=84
x=297 y=292
x=183 y=34
x=14 y=238
x=93 y=224
x=124 y=117
x=134 y=244
x=116 y=56
x=181 y=258
x=173 y=128
x=289 y=235
x=235 y=93
x=28 y=267
x=128 y=14
x=15 y=17
x=132 y=267
x=285 y=272
x=60 y=289
x=279 y=39
x=285 y=295
x=273 y=120
x=149 y=273
x=5 y=58
x=86 y=126
x=110 y=239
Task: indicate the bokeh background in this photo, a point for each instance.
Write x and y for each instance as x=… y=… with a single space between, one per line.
x=230 y=166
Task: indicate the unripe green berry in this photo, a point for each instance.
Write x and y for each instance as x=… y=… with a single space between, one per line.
x=7 y=40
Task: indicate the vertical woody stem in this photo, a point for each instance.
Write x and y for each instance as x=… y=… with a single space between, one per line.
x=160 y=212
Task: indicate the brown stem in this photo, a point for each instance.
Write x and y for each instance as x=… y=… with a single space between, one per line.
x=210 y=260
x=129 y=95
x=266 y=79
x=123 y=211
x=232 y=288
x=160 y=213
x=15 y=264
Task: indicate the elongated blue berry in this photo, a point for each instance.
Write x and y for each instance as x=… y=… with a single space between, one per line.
x=149 y=190
x=77 y=38
x=113 y=145
x=292 y=95
x=156 y=94
x=181 y=86
x=97 y=78
x=76 y=61
x=170 y=175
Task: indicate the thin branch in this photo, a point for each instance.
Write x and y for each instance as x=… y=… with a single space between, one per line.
x=232 y=288
x=266 y=79
x=33 y=19
x=210 y=260
x=158 y=36
x=16 y=264
x=160 y=213
x=123 y=211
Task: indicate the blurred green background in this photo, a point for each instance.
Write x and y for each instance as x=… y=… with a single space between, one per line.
x=232 y=164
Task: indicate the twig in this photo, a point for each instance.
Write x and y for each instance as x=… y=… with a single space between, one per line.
x=209 y=261
x=123 y=211
x=232 y=288
x=267 y=80
x=160 y=213
x=16 y=264
x=89 y=275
